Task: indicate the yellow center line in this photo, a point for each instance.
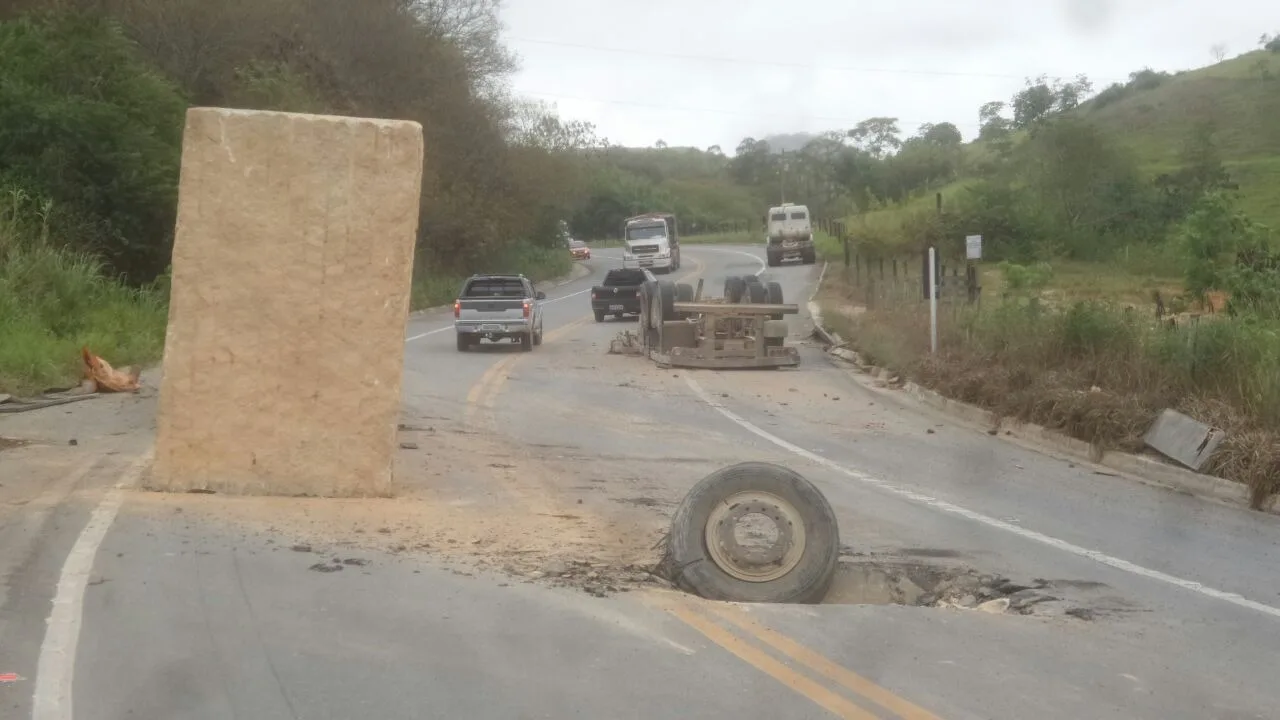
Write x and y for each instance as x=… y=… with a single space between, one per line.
x=810 y=689
x=484 y=394
x=821 y=664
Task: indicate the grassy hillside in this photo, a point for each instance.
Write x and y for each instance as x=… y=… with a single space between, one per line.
x=1154 y=115
x=1239 y=98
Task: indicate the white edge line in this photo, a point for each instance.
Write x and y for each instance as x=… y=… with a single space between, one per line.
x=944 y=506
x=55 y=667
x=818 y=285
x=753 y=256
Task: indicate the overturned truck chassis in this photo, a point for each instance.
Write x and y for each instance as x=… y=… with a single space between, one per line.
x=745 y=329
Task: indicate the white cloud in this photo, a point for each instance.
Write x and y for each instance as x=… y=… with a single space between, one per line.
x=704 y=72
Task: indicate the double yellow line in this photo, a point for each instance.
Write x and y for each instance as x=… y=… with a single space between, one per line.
x=749 y=644
x=483 y=396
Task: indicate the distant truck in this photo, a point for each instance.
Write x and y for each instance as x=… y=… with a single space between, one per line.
x=498 y=307
x=619 y=294
x=790 y=236
x=651 y=242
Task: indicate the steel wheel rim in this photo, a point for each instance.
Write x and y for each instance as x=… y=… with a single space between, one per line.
x=752 y=565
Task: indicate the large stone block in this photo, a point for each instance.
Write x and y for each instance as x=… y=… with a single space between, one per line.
x=291 y=279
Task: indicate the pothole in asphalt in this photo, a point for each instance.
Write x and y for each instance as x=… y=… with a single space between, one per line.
x=862 y=581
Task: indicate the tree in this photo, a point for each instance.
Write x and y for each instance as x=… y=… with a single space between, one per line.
x=1042 y=98
x=878 y=135
x=944 y=134
x=1214 y=231
x=1085 y=183
x=1218 y=51
x=88 y=126
x=661 y=144
x=992 y=123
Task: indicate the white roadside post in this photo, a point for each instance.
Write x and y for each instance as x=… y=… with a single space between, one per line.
x=932 y=281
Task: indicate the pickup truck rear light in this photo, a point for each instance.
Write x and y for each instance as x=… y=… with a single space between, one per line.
x=457 y=308
x=527 y=308
x=595 y=296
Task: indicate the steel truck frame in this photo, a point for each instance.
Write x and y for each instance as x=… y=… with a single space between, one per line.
x=679 y=328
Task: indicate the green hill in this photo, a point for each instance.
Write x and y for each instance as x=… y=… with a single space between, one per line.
x=1152 y=118
x=1239 y=98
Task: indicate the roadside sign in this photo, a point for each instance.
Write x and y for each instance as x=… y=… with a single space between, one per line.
x=973 y=247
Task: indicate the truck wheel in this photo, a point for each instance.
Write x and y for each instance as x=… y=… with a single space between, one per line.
x=464 y=343
x=599 y=315
x=750 y=278
x=774 y=291
x=526 y=342
x=810 y=257
x=734 y=287
x=706 y=557
x=684 y=292
x=756 y=294
x=773 y=260
x=667 y=301
x=537 y=337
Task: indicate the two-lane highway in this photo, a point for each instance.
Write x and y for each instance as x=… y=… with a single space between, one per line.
x=207 y=607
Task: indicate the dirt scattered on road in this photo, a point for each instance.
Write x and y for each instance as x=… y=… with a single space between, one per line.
x=516 y=511
x=7 y=443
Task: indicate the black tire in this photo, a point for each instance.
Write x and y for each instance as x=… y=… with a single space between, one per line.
x=667 y=300
x=684 y=292
x=756 y=294
x=810 y=257
x=526 y=342
x=694 y=568
x=750 y=279
x=537 y=337
x=773 y=260
x=734 y=287
x=599 y=315
x=464 y=343
x=774 y=291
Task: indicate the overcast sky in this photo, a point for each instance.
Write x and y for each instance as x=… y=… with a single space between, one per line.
x=704 y=72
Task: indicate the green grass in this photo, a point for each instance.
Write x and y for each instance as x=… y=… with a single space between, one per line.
x=1075 y=360
x=53 y=302
x=1232 y=95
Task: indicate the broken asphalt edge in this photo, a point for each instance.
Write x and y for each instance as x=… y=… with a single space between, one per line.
x=1040 y=439
x=577 y=272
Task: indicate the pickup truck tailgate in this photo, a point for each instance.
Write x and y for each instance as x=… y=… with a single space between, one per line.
x=619 y=293
x=489 y=310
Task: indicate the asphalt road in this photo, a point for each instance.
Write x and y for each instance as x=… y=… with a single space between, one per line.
x=171 y=614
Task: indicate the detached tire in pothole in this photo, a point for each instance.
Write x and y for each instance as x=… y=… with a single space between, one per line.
x=706 y=555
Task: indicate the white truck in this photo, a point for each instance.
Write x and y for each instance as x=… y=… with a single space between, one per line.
x=652 y=242
x=790 y=236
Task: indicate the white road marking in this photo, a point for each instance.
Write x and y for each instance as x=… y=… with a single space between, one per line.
x=753 y=256
x=55 y=667
x=944 y=506
x=818 y=285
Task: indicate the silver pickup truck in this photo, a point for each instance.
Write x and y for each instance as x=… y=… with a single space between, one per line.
x=498 y=307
